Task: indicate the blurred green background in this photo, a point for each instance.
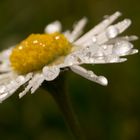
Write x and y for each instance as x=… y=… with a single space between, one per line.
x=106 y=113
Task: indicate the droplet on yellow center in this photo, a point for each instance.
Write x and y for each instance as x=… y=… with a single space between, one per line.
x=37 y=51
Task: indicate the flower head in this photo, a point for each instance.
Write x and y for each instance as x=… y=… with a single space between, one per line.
x=37 y=51
x=41 y=56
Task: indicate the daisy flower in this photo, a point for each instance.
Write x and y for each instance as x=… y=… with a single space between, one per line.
x=41 y=57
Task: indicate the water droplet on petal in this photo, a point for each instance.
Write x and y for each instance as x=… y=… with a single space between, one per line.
x=94 y=39
x=122 y=48
x=112 y=32
x=50 y=73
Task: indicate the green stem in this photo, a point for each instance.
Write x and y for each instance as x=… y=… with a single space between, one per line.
x=57 y=89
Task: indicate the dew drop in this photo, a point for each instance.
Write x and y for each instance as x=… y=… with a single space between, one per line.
x=122 y=48
x=112 y=32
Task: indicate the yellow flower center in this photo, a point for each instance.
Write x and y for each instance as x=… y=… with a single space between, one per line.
x=37 y=51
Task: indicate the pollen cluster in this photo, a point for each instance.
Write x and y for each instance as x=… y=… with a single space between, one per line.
x=38 y=50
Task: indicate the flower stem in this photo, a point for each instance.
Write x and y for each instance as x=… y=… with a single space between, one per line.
x=57 y=89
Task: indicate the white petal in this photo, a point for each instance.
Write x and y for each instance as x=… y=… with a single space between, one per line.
x=4 y=55
x=97 y=29
x=53 y=27
x=89 y=75
x=4 y=67
x=39 y=80
x=30 y=85
x=78 y=30
x=124 y=38
x=13 y=86
x=6 y=77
